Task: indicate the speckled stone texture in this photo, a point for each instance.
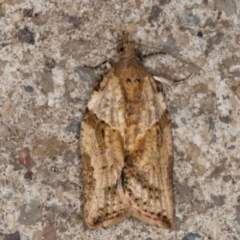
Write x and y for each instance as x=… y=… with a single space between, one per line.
x=46 y=51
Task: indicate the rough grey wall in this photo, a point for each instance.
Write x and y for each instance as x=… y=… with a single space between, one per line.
x=45 y=86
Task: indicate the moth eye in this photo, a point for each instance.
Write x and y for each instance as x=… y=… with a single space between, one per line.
x=120 y=49
x=128 y=80
x=137 y=80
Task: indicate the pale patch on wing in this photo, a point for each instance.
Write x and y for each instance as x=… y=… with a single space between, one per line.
x=126 y=151
x=152 y=102
x=108 y=103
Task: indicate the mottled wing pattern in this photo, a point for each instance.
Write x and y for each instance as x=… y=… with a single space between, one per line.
x=147 y=177
x=126 y=149
x=102 y=158
x=147 y=174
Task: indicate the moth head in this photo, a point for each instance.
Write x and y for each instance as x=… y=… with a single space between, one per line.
x=127 y=48
x=122 y=47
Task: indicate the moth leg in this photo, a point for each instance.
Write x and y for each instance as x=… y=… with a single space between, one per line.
x=163 y=80
x=172 y=81
x=142 y=56
x=106 y=63
x=69 y=144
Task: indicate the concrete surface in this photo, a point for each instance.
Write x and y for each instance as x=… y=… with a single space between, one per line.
x=45 y=47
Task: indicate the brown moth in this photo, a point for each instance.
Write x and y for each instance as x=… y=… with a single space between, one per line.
x=126 y=147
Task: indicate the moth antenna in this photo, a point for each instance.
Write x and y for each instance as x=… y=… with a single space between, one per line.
x=124 y=36
x=167 y=52
x=125 y=39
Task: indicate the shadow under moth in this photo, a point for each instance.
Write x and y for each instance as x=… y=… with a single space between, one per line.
x=126 y=147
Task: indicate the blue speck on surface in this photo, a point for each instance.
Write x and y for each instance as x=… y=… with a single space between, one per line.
x=188 y=18
x=191 y=236
x=28 y=88
x=73 y=127
x=170 y=46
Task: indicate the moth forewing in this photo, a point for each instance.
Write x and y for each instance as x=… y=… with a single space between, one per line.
x=126 y=148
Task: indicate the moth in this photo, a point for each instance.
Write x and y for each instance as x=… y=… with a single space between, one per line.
x=126 y=147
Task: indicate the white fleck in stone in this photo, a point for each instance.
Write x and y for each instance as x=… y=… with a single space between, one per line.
x=8 y=108
x=51 y=99
x=24 y=123
x=214 y=229
x=58 y=76
x=3 y=131
x=11 y=220
x=190 y=220
x=5 y=8
x=37 y=235
x=108 y=35
x=71 y=195
x=16 y=17
x=234 y=68
x=41 y=99
x=59 y=90
x=71 y=64
x=211 y=85
x=72 y=9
